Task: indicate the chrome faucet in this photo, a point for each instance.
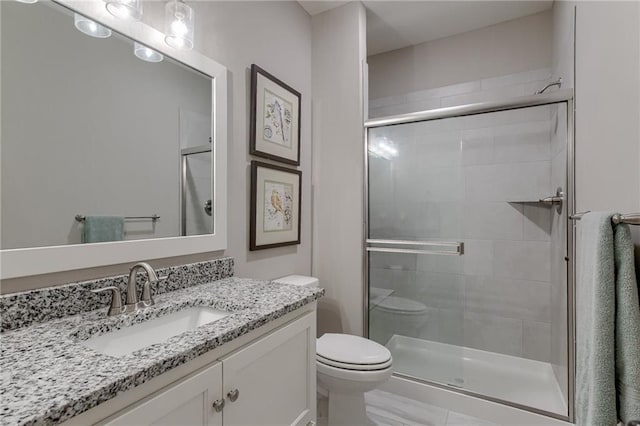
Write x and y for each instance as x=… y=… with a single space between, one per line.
x=133 y=303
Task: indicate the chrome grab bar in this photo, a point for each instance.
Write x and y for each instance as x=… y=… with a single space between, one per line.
x=458 y=247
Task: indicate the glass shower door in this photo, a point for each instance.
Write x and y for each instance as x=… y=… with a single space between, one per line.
x=196 y=190
x=416 y=290
x=467 y=271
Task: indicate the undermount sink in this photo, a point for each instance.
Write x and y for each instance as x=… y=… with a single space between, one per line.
x=129 y=339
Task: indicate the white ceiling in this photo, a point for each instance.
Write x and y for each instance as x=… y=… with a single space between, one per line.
x=395 y=24
x=313 y=7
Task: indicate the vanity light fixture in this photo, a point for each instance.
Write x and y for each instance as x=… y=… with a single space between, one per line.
x=27 y=1
x=125 y=9
x=89 y=27
x=179 y=25
x=146 y=54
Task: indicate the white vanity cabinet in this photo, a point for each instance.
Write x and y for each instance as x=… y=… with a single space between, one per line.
x=189 y=403
x=269 y=381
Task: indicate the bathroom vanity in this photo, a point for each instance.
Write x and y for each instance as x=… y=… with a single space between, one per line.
x=254 y=365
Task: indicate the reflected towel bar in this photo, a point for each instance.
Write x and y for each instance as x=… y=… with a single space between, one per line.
x=81 y=218
x=629 y=219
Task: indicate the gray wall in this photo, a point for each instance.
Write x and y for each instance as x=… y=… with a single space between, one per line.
x=510 y=47
x=88 y=129
x=339 y=52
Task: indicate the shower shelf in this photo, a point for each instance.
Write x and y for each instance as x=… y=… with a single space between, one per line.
x=550 y=201
x=540 y=201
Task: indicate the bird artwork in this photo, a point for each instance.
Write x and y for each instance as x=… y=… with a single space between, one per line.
x=276 y=202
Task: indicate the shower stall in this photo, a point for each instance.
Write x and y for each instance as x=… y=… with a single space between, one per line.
x=469 y=251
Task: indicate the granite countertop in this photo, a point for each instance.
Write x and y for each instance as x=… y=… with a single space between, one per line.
x=47 y=376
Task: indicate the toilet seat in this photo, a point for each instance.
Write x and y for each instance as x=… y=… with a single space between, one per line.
x=401 y=305
x=355 y=376
x=357 y=367
x=348 y=352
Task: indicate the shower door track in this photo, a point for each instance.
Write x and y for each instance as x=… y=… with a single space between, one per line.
x=473 y=109
x=556 y=97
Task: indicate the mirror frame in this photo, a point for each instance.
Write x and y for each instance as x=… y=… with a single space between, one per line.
x=23 y=262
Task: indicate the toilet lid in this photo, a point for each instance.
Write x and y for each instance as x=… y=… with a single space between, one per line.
x=358 y=367
x=401 y=304
x=349 y=349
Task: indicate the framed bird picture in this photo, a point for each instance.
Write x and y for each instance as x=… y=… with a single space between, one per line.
x=275 y=118
x=275 y=206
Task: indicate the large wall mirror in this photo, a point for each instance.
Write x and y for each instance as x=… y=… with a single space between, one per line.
x=113 y=144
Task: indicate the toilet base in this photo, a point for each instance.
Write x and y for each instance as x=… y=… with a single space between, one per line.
x=348 y=409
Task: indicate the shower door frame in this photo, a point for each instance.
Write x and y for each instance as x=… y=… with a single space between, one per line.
x=557 y=97
x=184 y=153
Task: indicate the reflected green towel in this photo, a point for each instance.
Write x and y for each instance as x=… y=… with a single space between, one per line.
x=608 y=323
x=98 y=229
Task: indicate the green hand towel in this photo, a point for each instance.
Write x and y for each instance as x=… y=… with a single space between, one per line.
x=627 y=328
x=98 y=229
x=595 y=322
x=608 y=323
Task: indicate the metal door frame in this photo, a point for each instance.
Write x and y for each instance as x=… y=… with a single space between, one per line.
x=557 y=97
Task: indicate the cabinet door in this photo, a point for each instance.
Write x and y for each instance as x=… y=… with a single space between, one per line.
x=188 y=403
x=275 y=378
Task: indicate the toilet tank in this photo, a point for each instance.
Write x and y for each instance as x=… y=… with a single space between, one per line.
x=301 y=280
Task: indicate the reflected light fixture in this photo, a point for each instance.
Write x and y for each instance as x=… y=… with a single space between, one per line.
x=89 y=27
x=27 y=1
x=146 y=54
x=383 y=148
x=179 y=25
x=125 y=9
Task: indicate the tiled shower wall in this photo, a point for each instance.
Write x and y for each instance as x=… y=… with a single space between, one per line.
x=488 y=89
x=472 y=179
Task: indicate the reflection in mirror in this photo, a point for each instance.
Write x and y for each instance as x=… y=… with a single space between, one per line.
x=90 y=129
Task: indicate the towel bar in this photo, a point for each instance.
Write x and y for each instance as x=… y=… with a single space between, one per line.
x=629 y=219
x=81 y=218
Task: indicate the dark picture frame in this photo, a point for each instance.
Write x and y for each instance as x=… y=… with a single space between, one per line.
x=276 y=204
x=275 y=118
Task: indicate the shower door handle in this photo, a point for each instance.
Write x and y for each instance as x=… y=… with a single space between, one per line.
x=207 y=207
x=451 y=248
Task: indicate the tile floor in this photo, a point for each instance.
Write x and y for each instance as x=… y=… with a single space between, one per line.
x=387 y=409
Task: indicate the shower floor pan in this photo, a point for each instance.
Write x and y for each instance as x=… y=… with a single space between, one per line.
x=509 y=378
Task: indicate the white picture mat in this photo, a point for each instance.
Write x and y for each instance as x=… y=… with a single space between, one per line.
x=291 y=153
x=266 y=238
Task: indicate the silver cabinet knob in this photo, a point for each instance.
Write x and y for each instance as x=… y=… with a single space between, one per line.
x=218 y=405
x=233 y=395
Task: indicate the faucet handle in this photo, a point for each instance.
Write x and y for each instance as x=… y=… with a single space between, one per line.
x=116 y=299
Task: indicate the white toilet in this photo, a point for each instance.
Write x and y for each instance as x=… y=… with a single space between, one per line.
x=347 y=367
x=396 y=315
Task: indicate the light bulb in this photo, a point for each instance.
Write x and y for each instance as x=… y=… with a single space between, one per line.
x=179 y=25
x=89 y=27
x=125 y=9
x=178 y=28
x=146 y=54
